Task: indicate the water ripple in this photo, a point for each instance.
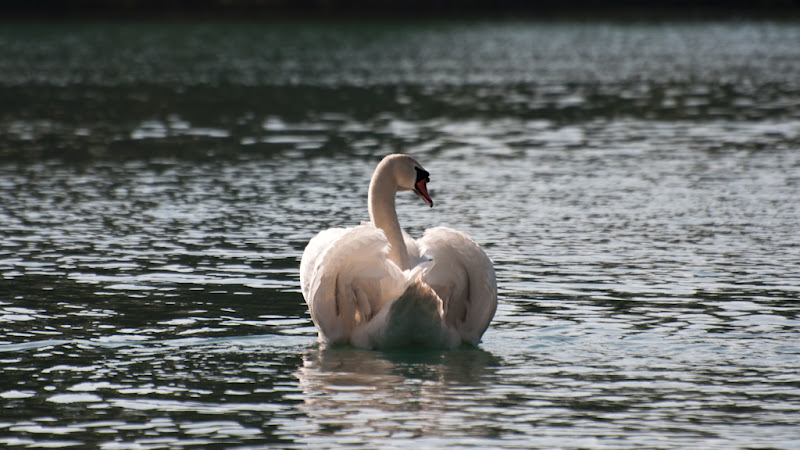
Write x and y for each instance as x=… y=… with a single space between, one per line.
x=635 y=184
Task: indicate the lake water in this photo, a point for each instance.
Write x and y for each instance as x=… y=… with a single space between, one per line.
x=637 y=185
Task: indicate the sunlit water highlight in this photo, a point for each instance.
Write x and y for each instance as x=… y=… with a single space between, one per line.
x=642 y=212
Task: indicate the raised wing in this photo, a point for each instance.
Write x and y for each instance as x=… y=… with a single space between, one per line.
x=315 y=247
x=349 y=281
x=463 y=277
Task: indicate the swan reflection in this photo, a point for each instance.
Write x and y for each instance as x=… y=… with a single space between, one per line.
x=348 y=390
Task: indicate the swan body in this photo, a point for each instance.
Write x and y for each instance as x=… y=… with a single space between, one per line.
x=373 y=286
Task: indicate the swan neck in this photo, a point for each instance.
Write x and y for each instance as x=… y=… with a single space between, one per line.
x=382 y=213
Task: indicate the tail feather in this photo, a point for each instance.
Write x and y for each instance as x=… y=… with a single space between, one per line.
x=413 y=319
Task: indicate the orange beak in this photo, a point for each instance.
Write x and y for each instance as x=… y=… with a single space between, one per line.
x=421 y=189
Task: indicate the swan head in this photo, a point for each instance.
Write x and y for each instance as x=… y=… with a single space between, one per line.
x=411 y=176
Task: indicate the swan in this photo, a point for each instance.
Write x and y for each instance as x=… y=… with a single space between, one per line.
x=375 y=287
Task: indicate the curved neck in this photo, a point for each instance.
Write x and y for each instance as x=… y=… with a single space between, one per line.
x=382 y=213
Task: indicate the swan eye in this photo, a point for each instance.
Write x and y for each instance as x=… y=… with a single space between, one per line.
x=422 y=174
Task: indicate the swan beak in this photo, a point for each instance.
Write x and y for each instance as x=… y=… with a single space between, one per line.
x=421 y=189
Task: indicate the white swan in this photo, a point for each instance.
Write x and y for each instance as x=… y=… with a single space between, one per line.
x=373 y=286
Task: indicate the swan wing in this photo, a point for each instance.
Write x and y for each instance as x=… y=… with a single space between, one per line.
x=463 y=277
x=349 y=280
x=315 y=247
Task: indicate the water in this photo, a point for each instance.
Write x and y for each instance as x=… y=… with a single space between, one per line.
x=636 y=184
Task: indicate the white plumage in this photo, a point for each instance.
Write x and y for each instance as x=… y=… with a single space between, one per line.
x=373 y=286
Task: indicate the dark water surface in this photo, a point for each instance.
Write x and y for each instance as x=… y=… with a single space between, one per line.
x=636 y=183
